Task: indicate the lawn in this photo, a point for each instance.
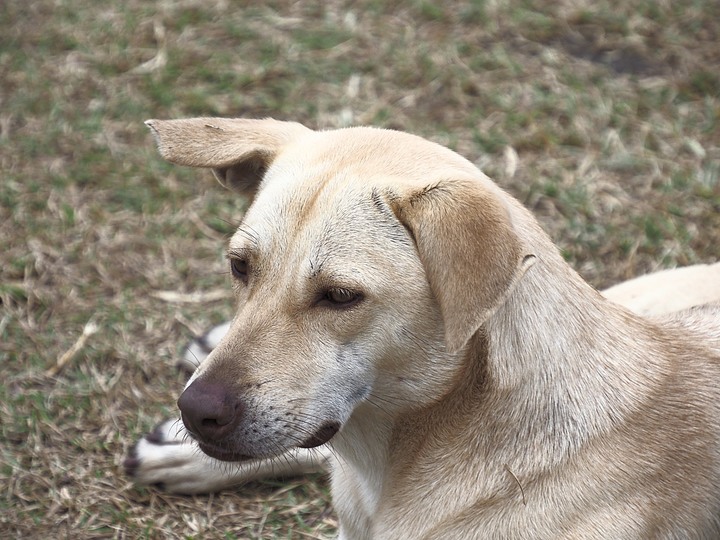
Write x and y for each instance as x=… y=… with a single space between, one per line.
x=604 y=119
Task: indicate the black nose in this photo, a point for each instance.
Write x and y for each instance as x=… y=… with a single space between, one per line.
x=209 y=410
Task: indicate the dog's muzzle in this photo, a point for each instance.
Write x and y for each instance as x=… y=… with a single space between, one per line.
x=211 y=414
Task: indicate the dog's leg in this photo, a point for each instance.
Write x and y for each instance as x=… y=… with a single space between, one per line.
x=169 y=458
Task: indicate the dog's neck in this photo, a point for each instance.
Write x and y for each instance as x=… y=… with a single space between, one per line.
x=561 y=358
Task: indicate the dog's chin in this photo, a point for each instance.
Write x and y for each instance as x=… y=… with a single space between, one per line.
x=321 y=436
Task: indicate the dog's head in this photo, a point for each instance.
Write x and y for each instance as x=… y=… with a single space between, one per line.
x=365 y=264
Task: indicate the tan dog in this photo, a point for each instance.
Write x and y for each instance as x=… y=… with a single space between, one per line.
x=397 y=305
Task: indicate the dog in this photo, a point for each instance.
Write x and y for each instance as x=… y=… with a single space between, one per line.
x=407 y=325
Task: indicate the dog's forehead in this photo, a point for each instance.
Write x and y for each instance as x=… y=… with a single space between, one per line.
x=328 y=182
x=332 y=214
x=332 y=187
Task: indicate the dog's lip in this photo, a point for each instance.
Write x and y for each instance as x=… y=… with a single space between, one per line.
x=326 y=432
x=223 y=454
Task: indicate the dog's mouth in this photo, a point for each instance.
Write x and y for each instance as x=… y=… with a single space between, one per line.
x=321 y=436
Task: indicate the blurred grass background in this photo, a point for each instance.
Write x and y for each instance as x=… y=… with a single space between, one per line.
x=602 y=117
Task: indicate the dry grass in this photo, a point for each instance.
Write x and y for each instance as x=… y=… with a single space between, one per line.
x=603 y=119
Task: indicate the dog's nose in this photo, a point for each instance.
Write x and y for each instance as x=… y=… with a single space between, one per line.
x=209 y=410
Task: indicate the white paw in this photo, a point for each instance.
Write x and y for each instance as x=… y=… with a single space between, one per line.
x=168 y=458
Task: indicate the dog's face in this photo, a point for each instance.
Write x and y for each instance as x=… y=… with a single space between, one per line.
x=366 y=262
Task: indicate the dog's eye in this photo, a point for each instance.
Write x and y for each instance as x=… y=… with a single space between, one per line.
x=341 y=297
x=239 y=268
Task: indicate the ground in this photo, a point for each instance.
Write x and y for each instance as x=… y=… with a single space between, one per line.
x=602 y=117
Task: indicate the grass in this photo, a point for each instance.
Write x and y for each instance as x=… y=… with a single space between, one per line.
x=604 y=120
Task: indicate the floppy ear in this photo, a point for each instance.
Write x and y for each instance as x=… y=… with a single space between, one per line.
x=471 y=254
x=239 y=151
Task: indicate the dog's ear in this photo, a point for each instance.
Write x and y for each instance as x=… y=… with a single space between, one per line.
x=470 y=251
x=238 y=151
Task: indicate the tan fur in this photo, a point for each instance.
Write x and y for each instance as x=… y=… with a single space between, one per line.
x=483 y=388
x=690 y=286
